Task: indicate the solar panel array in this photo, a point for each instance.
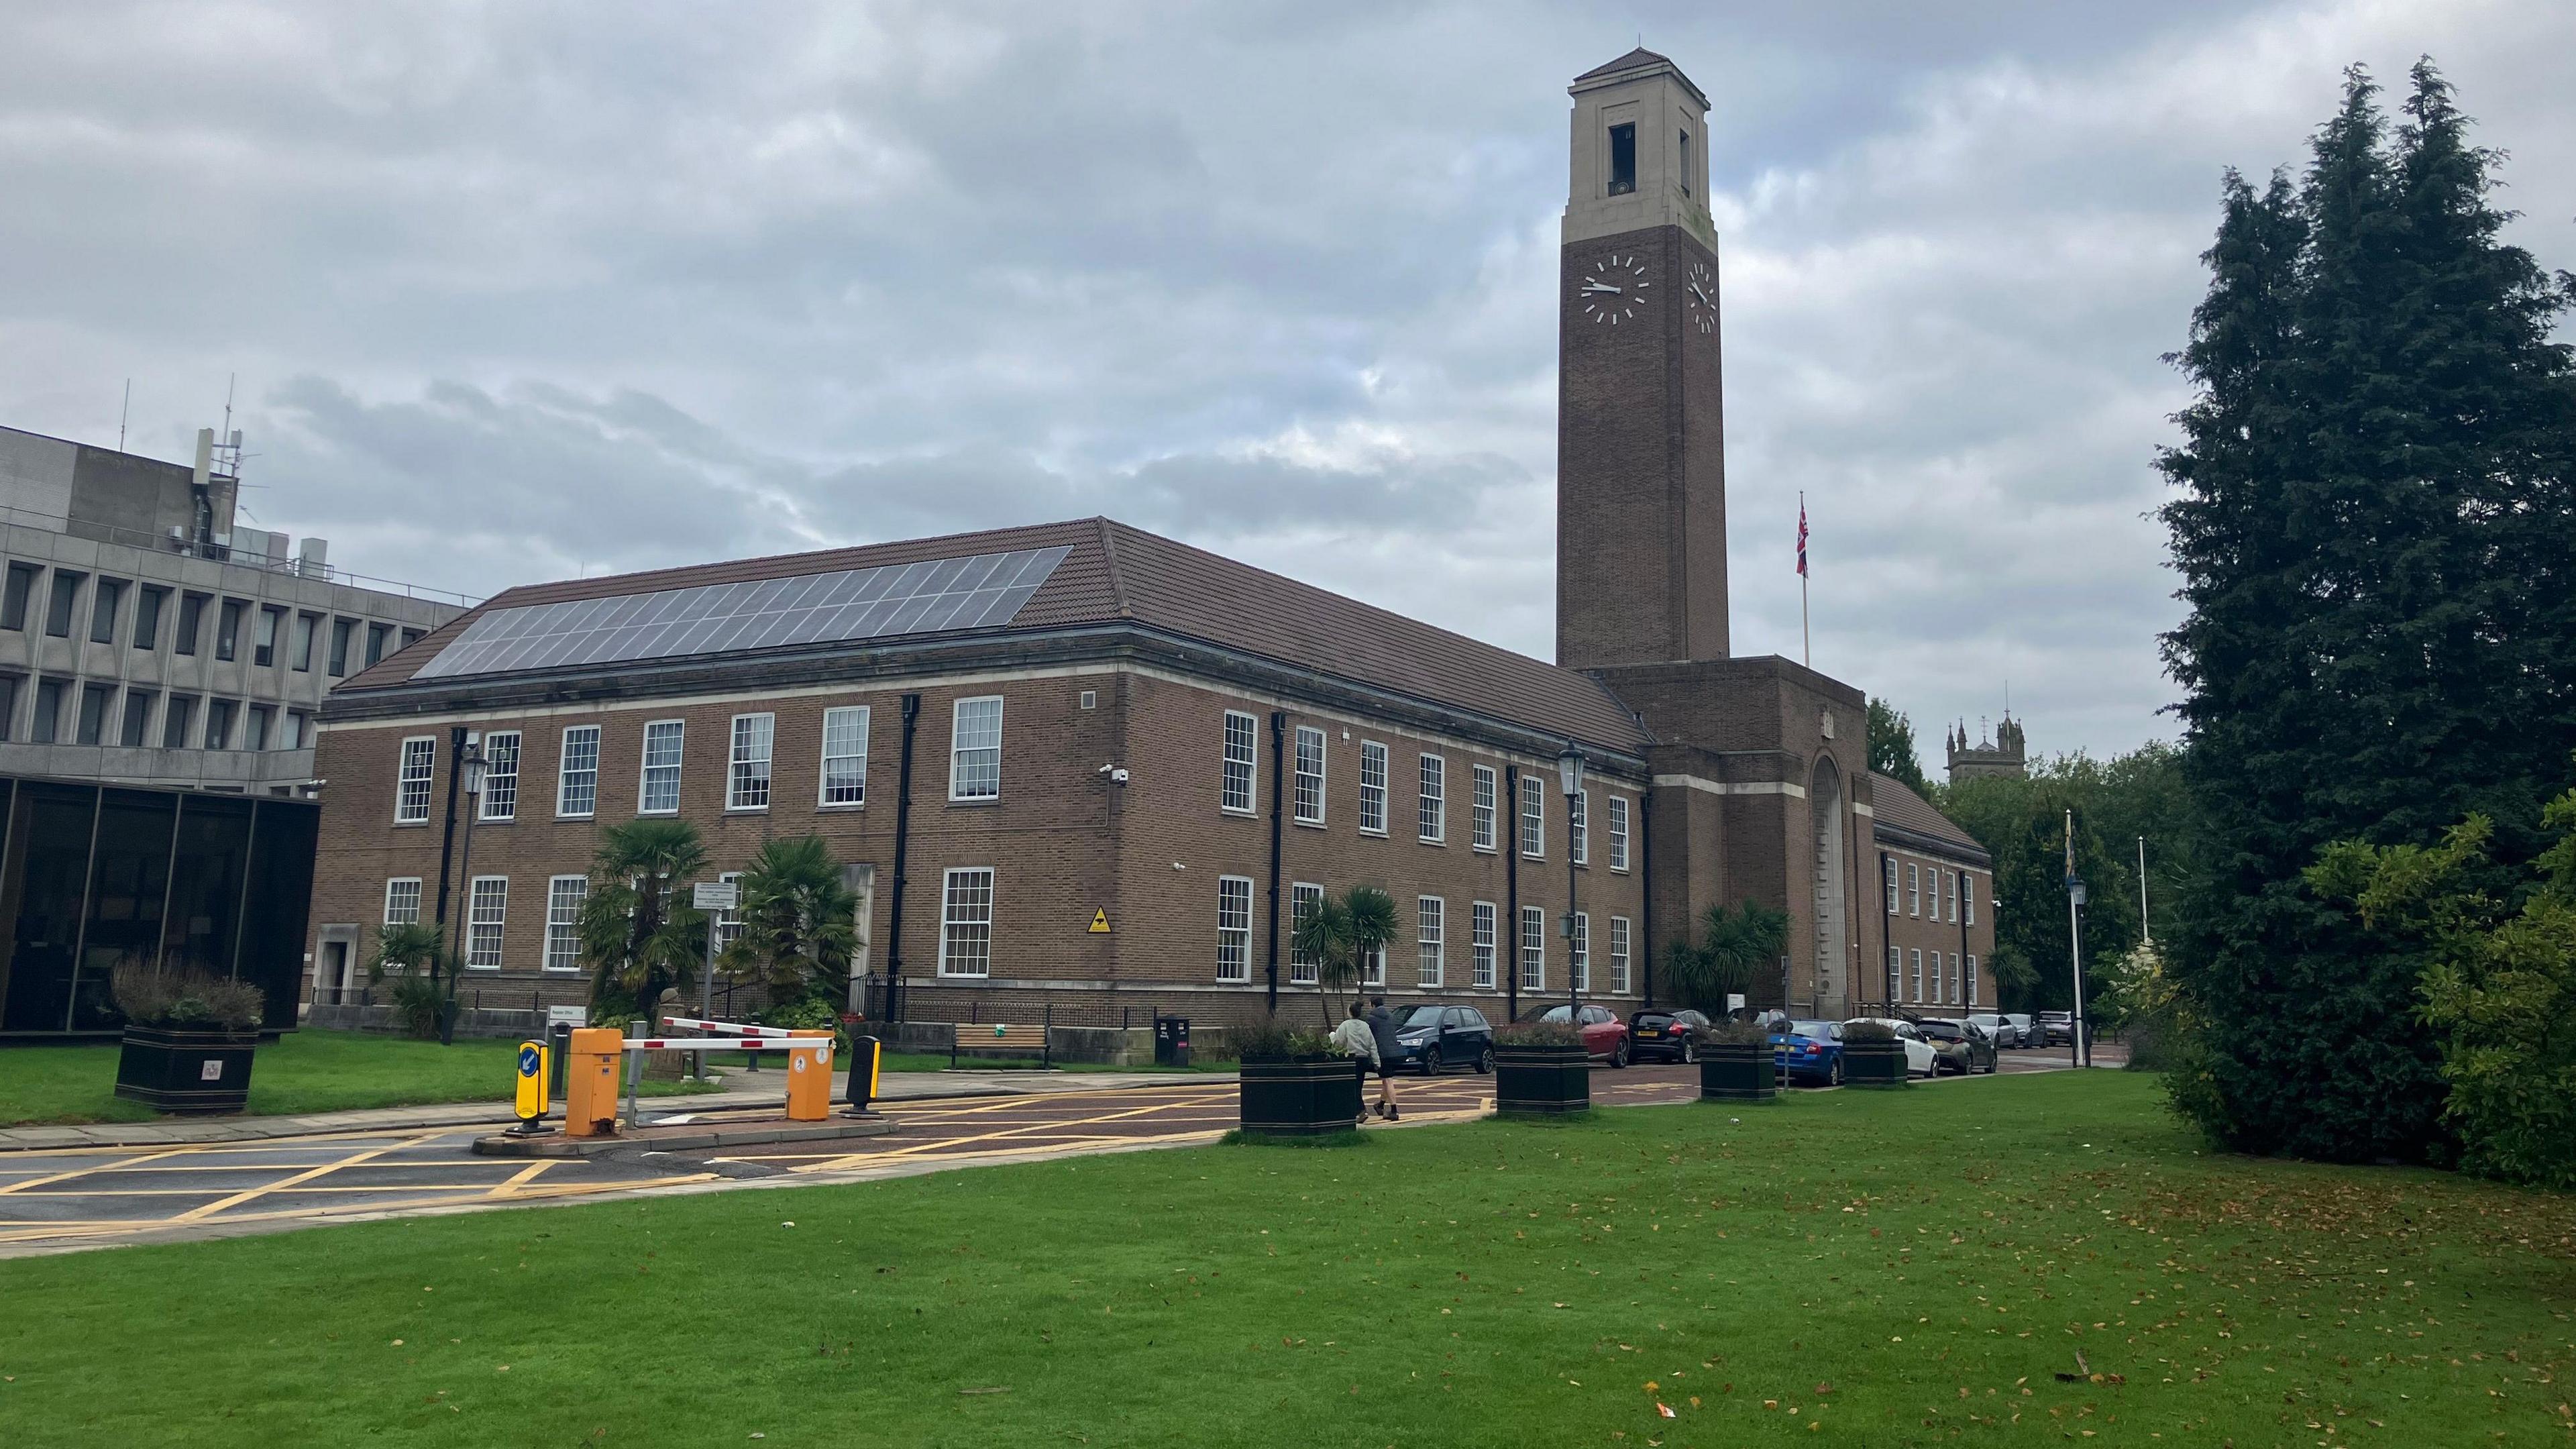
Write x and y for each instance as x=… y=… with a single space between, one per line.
x=977 y=592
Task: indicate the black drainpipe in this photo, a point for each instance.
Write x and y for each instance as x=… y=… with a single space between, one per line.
x=1510 y=822
x=447 y=837
x=902 y=847
x=1646 y=883
x=1967 y=1003
x=1278 y=769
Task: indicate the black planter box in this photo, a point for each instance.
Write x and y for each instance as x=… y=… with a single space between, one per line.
x=1874 y=1064
x=186 y=1071
x=1541 y=1081
x=1737 y=1072
x=1300 y=1097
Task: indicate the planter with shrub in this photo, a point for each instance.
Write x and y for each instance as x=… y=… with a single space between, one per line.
x=1872 y=1056
x=1735 y=1063
x=188 y=1039
x=1541 y=1070
x=1290 y=1085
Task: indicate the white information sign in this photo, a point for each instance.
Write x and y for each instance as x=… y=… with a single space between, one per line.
x=717 y=895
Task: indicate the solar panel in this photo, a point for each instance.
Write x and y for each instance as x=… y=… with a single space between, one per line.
x=929 y=597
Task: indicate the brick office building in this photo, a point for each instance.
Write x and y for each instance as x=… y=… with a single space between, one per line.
x=1936 y=893
x=1100 y=725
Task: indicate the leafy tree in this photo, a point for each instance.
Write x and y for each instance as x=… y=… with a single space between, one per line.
x=413 y=956
x=1735 y=944
x=2022 y=825
x=799 y=924
x=636 y=936
x=2373 y=532
x=1891 y=747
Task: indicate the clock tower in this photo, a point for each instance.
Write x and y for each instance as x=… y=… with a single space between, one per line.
x=1640 y=454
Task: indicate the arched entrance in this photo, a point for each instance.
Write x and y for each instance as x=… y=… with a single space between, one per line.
x=1825 y=801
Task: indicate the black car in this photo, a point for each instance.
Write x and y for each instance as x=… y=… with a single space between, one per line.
x=1432 y=1037
x=1665 y=1034
x=1959 y=1047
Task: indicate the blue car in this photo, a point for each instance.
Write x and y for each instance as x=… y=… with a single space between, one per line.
x=1809 y=1053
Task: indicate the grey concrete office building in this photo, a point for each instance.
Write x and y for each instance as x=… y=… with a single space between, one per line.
x=147 y=638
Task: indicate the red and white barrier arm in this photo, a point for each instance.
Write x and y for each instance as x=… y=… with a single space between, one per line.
x=736 y=1028
x=726 y=1044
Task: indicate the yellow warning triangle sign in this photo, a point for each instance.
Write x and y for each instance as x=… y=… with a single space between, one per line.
x=1100 y=921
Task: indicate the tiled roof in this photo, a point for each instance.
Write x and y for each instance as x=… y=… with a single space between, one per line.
x=1900 y=807
x=1120 y=574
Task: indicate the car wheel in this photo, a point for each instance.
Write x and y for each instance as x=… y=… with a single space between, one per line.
x=1431 y=1061
x=1485 y=1061
x=1690 y=1053
x=1619 y=1054
x=1834 y=1078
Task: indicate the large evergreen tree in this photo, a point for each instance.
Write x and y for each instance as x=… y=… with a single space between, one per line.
x=1891 y=746
x=2373 y=534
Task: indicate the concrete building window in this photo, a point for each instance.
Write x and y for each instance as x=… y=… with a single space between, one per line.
x=1913 y=889
x=175 y=721
x=1234 y=928
x=9 y=684
x=1480 y=927
x=966 y=922
x=1972 y=982
x=1579 y=947
x=377 y=634
x=228 y=630
x=1619 y=832
x=298 y=731
x=660 y=792
x=147 y=617
x=47 y=728
x=747 y=779
x=413 y=636
x=845 y=756
x=13 y=603
x=1533 y=817
x=1238 y=790
x=272 y=620
x=501 y=775
x=1372 y=788
x=1895 y=974
x=486 y=906
x=1310 y=775
x=411 y=782
x=135 y=733
x=342 y=630
x=1578 y=827
x=1304 y=900
x=306 y=626
x=1533 y=949
x=1431 y=815
x=1686 y=162
x=1623 y=158
x=402 y=901
x=1916 y=995
x=1891 y=892
x=65 y=602
x=577 y=774
x=1618 y=955
x=255 y=728
x=565 y=896
x=1480 y=808
x=107 y=598
x=1967 y=898
x=975 y=750
x=219 y=723
x=94 y=701
x=192 y=623
x=1430 y=924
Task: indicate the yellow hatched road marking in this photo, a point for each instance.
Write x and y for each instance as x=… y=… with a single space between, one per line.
x=310 y=1173
x=34 y=1182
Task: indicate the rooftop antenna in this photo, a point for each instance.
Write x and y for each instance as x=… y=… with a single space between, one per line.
x=123 y=411
x=228 y=443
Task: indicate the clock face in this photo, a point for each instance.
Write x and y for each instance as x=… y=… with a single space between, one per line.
x=1613 y=289
x=1701 y=293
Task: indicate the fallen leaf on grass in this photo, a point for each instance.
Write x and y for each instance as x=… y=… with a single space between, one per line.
x=1667 y=1411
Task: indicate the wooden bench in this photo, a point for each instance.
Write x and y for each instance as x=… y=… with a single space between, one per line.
x=1001 y=1038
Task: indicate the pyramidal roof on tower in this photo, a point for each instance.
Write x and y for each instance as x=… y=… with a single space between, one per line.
x=1639 y=60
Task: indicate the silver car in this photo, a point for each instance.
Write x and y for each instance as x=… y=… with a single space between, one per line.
x=1998 y=1029
x=2024 y=1031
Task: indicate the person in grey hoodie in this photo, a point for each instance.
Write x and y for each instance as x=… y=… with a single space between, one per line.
x=1382 y=1025
x=1354 y=1039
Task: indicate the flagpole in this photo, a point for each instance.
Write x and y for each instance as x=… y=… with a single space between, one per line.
x=1806 y=638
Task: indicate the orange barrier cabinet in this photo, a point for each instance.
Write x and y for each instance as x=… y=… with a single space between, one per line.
x=809 y=1078
x=590 y=1082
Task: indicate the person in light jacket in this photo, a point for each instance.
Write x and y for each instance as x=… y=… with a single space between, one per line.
x=1354 y=1039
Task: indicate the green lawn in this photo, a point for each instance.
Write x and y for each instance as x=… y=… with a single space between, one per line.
x=1842 y=1268
x=303 y=1071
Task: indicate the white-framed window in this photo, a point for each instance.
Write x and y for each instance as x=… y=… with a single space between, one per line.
x=1619 y=955
x=1579 y=951
x=1240 y=789
x=1895 y=974
x=411 y=782
x=1619 y=832
x=1968 y=897
x=1480 y=941
x=1895 y=900
x=966 y=922
x=1578 y=827
x=1533 y=949
x=845 y=757
x=747 y=776
x=975 y=750
x=1430 y=921
x=1533 y=817
x=1950 y=878
x=487 y=904
x=1304 y=900
x=564 y=897
x=1234 y=928
x=1373 y=967
x=1935 y=997
x=1431 y=812
x=659 y=794
x=1954 y=978
x=402 y=901
x=1372 y=788
x=1310 y=775
x=1916 y=995
x=577 y=775
x=1972 y=982
x=729 y=918
x=501 y=775
x=1913 y=889
x=1480 y=808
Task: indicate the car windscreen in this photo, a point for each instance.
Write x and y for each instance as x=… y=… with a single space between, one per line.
x=1817 y=1030
x=1422 y=1017
x=1557 y=1013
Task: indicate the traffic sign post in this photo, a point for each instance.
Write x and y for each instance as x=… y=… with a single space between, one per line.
x=712 y=896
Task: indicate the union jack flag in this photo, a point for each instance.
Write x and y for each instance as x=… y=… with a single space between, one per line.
x=1802 y=538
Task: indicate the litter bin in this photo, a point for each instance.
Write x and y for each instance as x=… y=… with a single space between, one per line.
x=1171 y=1041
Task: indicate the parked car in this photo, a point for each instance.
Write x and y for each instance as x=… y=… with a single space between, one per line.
x=1962 y=1046
x=1996 y=1029
x=2058 y=1026
x=2025 y=1030
x=1919 y=1056
x=1434 y=1037
x=1665 y=1034
x=1808 y=1053
x=1605 y=1036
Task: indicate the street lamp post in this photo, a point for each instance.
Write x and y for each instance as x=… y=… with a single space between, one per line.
x=470 y=765
x=2075 y=1046
x=1569 y=773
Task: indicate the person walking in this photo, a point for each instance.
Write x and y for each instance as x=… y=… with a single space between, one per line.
x=1353 y=1039
x=1382 y=1026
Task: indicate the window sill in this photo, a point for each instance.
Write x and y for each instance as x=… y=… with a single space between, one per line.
x=658 y=814
x=496 y=819
x=1379 y=834
x=746 y=810
x=1308 y=824
x=1431 y=840
x=961 y=976
x=584 y=818
x=411 y=825
x=1246 y=813
x=974 y=799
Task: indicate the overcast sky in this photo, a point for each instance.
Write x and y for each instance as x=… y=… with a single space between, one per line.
x=520 y=290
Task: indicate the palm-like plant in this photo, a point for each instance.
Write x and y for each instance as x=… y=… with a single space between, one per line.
x=799 y=923
x=1338 y=934
x=636 y=936
x=1734 y=944
x=413 y=956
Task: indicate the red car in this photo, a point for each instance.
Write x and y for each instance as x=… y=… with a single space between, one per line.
x=1605 y=1036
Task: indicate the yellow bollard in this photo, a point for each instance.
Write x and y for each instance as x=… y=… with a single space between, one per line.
x=531 y=1101
x=590 y=1082
x=809 y=1078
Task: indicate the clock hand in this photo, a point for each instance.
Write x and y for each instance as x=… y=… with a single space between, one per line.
x=1600 y=287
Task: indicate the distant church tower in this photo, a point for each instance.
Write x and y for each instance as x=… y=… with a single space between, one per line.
x=2005 y=755
x=1640 y=457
